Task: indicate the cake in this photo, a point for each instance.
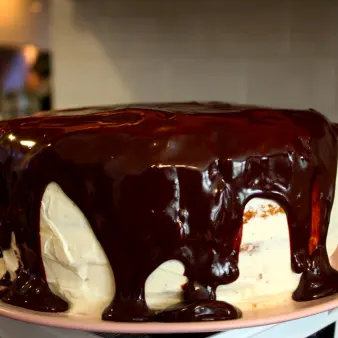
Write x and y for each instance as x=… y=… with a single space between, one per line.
x=104 y=210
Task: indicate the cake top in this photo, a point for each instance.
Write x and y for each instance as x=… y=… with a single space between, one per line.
x=190 y=134
x=242 y=130
x=189 y=107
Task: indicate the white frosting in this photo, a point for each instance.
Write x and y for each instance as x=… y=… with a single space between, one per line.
x=332 y=237
x=265 y=270
x=11 y=258
x=163 y=286
x=76 y=266
x=78 y=270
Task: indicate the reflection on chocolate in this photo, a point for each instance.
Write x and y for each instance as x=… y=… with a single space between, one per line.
x=170 y=181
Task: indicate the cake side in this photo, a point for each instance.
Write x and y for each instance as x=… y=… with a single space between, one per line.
x=110 y=163
x=78 y=271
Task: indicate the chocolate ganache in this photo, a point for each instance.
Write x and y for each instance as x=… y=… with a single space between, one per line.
x=169 y=181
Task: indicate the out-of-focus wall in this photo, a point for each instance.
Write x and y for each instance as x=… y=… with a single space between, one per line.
x=281 y=53
x=24 y=22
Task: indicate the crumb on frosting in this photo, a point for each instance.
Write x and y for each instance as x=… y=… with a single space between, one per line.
x=268 y=210
x=249 y=247
x=248 y=215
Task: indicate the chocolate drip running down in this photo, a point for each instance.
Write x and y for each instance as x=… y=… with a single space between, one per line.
x=169 y=181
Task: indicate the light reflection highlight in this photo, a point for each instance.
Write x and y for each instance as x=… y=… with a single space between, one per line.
x=11 y=137
x=28 y=143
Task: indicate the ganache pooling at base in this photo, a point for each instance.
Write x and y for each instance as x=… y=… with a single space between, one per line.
x=169 y=181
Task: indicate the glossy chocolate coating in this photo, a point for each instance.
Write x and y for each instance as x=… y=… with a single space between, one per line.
x=170 y=181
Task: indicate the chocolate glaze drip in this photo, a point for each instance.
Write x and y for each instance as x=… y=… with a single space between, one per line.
x=5 y=279
x=170 y=181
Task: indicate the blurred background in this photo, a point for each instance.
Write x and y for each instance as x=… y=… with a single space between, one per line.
x=71 y=53
x=25 y=68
